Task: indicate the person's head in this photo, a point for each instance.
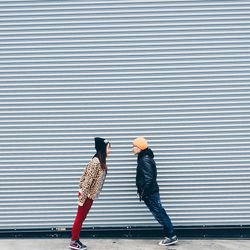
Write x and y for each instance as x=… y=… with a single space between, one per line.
x=102 y=147
x=139 y=144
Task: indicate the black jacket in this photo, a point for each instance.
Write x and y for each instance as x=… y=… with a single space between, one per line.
x=146 y=176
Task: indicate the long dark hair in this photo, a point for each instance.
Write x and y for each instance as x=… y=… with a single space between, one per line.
x=102 y=156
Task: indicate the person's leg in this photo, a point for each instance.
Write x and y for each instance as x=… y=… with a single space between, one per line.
x=80 y=217
x=153 y=202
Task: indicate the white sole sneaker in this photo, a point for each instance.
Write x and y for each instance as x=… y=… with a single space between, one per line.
x=168 y=244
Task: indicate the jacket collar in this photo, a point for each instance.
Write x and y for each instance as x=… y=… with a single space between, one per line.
x=146 y=151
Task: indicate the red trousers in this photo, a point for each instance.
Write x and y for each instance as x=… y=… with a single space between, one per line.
x=81 y=215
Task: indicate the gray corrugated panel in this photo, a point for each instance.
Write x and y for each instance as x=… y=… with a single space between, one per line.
x=176 y=72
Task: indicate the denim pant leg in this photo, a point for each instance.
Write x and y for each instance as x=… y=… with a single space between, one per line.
x=153 y=202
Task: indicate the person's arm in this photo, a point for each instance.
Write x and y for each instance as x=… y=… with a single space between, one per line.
x=148 y=174
x=86 y=181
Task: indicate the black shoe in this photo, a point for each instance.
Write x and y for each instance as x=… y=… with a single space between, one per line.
x=168 y=241
x=77 y=245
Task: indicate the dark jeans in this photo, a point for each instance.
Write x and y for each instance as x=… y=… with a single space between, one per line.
x=153 y=202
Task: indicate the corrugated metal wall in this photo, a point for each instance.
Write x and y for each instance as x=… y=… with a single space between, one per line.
x=174 y=71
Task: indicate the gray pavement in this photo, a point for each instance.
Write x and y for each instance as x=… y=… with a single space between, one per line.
x=122 y=244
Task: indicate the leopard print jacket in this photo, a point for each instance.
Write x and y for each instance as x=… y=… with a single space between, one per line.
x=91 y=181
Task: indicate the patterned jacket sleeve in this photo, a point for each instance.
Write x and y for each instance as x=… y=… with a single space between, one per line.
x=86 y=181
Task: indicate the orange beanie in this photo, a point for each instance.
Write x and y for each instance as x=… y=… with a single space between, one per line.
x=141 y=143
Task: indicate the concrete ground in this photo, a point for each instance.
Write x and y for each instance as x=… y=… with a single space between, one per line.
x=122 y=244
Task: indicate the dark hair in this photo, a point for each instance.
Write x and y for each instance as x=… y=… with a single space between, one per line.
x=102 y=156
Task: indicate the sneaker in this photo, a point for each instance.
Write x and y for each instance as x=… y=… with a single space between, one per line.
x=168 y=241
x=77 y=245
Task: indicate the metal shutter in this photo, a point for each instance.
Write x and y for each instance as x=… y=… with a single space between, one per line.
x=176 y=72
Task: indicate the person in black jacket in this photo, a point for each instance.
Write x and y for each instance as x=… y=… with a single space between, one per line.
x=148 y=189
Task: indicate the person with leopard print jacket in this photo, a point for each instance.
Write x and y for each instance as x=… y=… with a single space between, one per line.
x=91 y=183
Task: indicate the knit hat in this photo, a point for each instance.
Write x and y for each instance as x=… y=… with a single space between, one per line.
x=100 y=143
x=141 y=143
